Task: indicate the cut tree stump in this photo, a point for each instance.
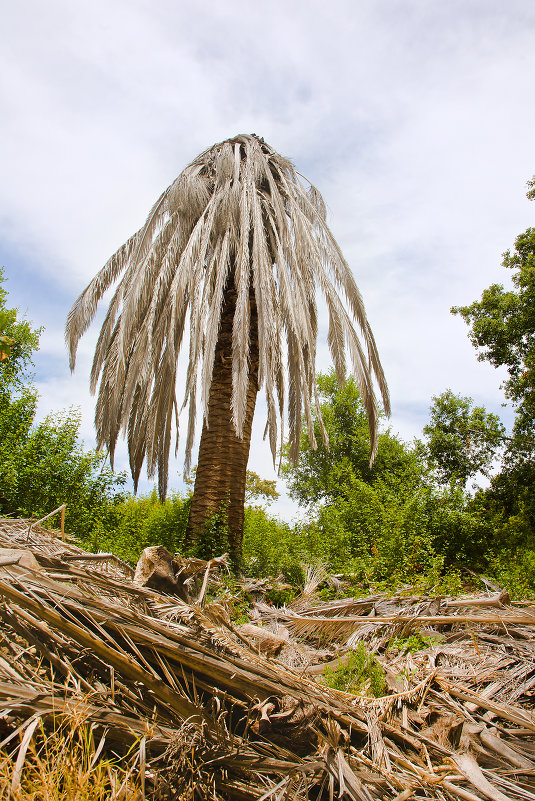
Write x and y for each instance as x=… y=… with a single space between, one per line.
x=158 y=570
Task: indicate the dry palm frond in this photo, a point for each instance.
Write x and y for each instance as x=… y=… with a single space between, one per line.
x=238 y=212
x=181 y=702
x=314 y=575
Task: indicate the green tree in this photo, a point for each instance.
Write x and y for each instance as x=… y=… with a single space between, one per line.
x=324 y=472
x=257 y=488
x=502 y=329
x=238 y=244
x=17 y=400
x=18 y=342
x=461 y=439
x=44 y=465
x=53 y=468
x=387 y=521
x=17 y=413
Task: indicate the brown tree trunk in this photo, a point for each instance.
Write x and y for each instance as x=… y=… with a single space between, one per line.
x=222 y=464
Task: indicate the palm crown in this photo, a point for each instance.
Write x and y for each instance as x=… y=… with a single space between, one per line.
x=238 y=215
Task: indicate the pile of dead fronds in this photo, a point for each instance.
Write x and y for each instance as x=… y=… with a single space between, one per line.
x=182 y=703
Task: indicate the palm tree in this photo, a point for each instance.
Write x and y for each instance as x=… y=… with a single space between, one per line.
x=229 y=258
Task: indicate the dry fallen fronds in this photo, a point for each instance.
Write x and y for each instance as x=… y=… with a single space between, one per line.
x=189 y=706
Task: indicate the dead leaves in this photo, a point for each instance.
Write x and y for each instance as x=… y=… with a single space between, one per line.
x=251 y=721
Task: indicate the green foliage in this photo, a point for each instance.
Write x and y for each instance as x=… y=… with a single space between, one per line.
x=167 y=524
x=328 y=593
x=412 y=643
x=324 y=474
x=19 y=341
x=136 y=523
x=503 y=322
x=502 y=329
x=53 y=468
x=44 y=465
x=462 y=439
x=280 y=596
x=17 y=401
x=514 y=570
x=361 y=674
x=407 y=520
x=214 y=540
x=257 y=488
x=128 y=536
x=270 y=546
x=16 y=417
x=390 y=522
x=377 y=535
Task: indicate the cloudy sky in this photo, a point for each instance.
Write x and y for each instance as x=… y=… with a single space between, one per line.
x=414 y=118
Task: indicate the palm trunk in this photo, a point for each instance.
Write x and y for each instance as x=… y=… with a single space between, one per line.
x=219 y=492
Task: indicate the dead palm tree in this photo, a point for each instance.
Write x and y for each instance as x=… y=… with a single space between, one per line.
x=235 y=247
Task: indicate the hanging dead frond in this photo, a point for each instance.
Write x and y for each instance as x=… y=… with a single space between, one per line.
x=239 y=212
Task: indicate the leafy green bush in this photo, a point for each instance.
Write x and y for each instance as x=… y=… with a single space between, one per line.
x=390 y=522
x=377 y=535
x=515 y=572
x=412 y=643
x=44 y=465
x=361 y=674
x=280 y=596
x=271 y=546
x=139 y=522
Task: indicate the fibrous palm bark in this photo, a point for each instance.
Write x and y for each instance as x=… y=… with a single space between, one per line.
x=236 y=246
x=223 y=455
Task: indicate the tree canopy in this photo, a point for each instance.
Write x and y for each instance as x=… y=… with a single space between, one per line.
x=322 y=469
x=18 y=342
x=43 y=465
x=502 y=329
x=461 y=439
x=390 y=518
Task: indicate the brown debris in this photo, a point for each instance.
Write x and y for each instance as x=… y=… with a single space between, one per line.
x=220 y=718
x=157 y=569
x=18 y=556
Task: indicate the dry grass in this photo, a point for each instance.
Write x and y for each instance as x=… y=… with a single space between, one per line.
x=65 y=762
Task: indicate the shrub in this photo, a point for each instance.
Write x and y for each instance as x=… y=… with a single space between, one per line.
x=360 y=674
x=271 y=547
x=136 y=523
x=515 y=571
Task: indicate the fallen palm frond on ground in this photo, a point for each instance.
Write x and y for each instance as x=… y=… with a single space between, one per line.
x=182 y=703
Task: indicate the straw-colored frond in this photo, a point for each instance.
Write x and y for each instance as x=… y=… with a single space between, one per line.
x=238 y=212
